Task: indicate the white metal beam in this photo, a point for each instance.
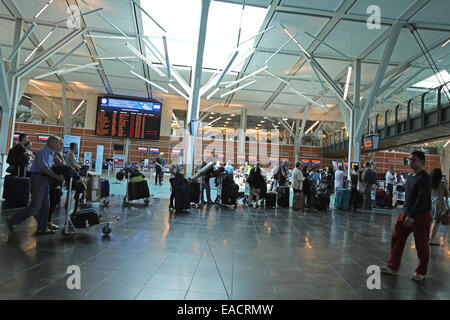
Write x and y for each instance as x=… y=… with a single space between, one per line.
x=388 y=50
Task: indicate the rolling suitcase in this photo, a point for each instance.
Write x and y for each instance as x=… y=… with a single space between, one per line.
x=283 y=196
x=343 y=199
x=271 y=199
x=299 y=201
x=16 y=191
x=182 y=198
x=195 y=192
x=104 y=188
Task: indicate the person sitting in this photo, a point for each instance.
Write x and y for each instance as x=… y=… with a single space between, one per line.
x=255 y=181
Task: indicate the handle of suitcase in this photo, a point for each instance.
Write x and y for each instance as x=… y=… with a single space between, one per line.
x=68 y=225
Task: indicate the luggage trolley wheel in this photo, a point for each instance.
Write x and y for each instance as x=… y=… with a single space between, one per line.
x=106 y=229
x=147 y=201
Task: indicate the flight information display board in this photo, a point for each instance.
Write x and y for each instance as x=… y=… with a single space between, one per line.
x=128 y=117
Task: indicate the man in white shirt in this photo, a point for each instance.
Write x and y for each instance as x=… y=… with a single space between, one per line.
x=390 y=179
x=339 y=178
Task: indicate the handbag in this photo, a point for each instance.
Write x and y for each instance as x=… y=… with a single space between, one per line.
x=359 y=187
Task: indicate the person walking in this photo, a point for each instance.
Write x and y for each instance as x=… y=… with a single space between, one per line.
x=439 y=202
x=40 y=172
x=160 y=162
x=416 y=218
x=55 y=186
x=297 y=186
x=390 y=180
x=174 y=170
x=18 y=158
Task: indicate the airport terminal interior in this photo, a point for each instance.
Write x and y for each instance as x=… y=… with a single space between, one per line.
x=224 y=149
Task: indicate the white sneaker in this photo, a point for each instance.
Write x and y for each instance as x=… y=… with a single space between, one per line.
x=417 y=277
x=386 y=270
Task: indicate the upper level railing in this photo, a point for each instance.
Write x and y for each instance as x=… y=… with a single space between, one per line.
x=428 y=109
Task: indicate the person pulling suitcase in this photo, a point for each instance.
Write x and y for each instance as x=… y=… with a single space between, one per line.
x=40 y=173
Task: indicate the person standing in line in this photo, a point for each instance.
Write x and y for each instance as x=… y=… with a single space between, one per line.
x=30 y=156
x=416 y=218
x=275 y=174
x=439 y=202
x=339 y=178
x=229 y=168
x=283 y=174
x=174 y=170
x=297 y=183
x=354 y=196
x=18 y=157
x=206 y=184
x=307 y=184
x=390 y=180
x=366 y=177
x=40 y=172
x=315 y=177
x=71 y=159
x=255 y=181
x=160 y=162
x=55 y=186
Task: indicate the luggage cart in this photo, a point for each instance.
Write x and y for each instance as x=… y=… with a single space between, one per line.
x=69 y=227
x=126 y=199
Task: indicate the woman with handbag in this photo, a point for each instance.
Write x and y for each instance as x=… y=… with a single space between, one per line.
x=439 y=206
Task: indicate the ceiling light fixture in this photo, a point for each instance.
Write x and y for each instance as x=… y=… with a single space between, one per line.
x=238 y=88
x=445 y=43
x=306 y=98
x=212 y=93
x=108 y=37
x=149 y=82
x=166 y=52
x=178 y=91
x=39 y=108
x=40 y=44
x=295 y=40
x=446 y=143
x=147 y=61
x=246 y=77
x=43 y=91
x=43 y=8
x=310 y=128
x=79 y=106
x=78 y=68
x=347 y=82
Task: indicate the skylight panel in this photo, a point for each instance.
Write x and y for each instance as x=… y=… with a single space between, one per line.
x=433 y=81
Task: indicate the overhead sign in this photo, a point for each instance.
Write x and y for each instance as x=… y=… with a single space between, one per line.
x=42 y=139
x=154 y=150
x=304 y=162
x=99 y=159
x=316 y=162
x=16 y=137
x=142 y=149
x=119 y=160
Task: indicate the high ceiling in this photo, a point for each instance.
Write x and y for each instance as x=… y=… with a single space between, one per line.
x=340 y=24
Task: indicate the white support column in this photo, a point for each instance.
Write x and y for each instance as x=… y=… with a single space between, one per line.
x=67 y=116
x=243 y=129
x=194 y=97
x=356 y=112
x=296 y=141
x=302 y=131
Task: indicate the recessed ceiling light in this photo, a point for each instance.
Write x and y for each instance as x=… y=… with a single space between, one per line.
x=262 y=121
x=211 y=117
x=233 y=115
x=259 y=124
x=229 y=119
x=266 y=117
x=285 y=119
x=279 y=122
x=226 y=122
x=212 y=113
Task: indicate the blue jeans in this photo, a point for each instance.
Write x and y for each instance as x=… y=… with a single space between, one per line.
x=39 y=202
x=206 y=186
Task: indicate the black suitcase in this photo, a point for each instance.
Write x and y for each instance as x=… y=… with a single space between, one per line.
x=16 y=191
x=85 y=218
x=182 y=198
x=271 y=199
x=283 y=196
x=320 y=201
x=195 y=192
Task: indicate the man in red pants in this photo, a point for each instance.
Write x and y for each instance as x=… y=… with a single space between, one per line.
x=416 y=218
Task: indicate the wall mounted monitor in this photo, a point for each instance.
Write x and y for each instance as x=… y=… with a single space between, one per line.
x=154 y=150
x=283 y=159
x=176 y=151
x=128 y=117
x=16 y=137
x=371 y=141
x=316 y=162
x=142 y=149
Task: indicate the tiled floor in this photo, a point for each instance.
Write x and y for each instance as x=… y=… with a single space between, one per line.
x=217 y=253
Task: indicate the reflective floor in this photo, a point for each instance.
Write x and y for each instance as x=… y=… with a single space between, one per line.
x=217 y=253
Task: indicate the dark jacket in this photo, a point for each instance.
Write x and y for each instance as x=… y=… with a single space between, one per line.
x=418 y=194
x=255 y=180
x=16 y=156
